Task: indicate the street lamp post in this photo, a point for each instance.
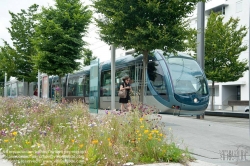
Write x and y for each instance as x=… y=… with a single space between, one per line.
x=200 y=38
x=112 y=77
x=249 y=65
x=5 y=84
x=38 y=84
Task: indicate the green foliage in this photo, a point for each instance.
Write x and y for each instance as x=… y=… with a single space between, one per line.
x=48 y=133
x=145 y=25
x=1 y=76
x=88 y=57
x=8 y=59
x=223 y=45
x=59 y=36
x=22 y=31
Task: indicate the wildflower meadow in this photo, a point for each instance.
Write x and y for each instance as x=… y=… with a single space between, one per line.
x=42 y=132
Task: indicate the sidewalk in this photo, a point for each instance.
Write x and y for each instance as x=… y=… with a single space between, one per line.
x=4 y=162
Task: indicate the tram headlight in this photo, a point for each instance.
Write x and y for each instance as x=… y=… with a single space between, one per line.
x=195 y=100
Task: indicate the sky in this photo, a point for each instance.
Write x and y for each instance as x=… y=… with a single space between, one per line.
x=99 y=48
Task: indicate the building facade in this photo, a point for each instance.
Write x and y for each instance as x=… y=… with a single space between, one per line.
x=237 y=90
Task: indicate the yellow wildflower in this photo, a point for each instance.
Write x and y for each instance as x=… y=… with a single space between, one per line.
x=27 y=142
x=14 y=133
x=146 y=131
x=6 y=140
x=141 y=126
x=72 y=140
x=110 y=144
x=155 y=131
x=95 y=142
x=141 y=119
x=81 y=145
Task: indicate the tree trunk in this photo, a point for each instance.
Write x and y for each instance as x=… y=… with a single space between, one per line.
x=28 y=89
x=212 y=101
x=145 y=66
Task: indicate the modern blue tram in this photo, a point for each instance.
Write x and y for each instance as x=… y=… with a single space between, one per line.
x=175 y=83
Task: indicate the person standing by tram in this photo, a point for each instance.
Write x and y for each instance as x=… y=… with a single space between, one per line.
x=125 y=85
x=35 y=92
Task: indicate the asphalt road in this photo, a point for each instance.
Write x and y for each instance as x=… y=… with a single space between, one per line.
x=223 y=141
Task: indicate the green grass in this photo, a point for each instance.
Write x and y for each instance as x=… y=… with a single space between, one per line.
x=46 y=133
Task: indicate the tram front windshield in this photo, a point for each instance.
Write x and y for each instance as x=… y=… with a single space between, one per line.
x=187 y=76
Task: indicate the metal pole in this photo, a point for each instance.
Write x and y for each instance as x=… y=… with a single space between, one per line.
x=38 y=84
x=248 y=65
x=200 y=35
x=200 y=38
x=112 y=77
x=5 y=84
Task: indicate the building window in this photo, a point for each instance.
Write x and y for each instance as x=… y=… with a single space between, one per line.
x=238 y=6
x=219 y=9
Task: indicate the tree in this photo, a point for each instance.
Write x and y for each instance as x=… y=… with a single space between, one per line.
x=22 y=31
x=145 y=25
x=223 y=45
x=59 y=37
x=8 y=59
x=87 y=57
x=2 y=76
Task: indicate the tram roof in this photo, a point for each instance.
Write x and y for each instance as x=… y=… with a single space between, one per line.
x=127 y=60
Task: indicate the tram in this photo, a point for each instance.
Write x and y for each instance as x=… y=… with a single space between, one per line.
x=175 y=84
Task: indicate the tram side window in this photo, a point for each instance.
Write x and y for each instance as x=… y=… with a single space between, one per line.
x=80 y=86
x=86 y=86
x=156 y=77
x=8 y=89
x=105 y=89
x=135 y=74
x=63 y=86
x=120 y=73
x=72 y=86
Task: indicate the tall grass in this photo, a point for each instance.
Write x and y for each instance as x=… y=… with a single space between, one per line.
x=39 y=132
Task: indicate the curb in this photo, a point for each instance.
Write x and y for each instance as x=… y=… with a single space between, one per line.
x=227 y=114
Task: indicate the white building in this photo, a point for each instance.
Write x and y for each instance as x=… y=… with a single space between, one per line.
x=238 y=90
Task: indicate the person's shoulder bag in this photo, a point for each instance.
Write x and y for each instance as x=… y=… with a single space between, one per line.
x=122 y=93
